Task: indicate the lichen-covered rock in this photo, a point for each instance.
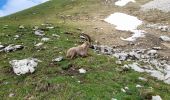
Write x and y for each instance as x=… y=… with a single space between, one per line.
x=24 y=66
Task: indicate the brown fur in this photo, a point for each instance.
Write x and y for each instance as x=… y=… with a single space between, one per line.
x=80 y=50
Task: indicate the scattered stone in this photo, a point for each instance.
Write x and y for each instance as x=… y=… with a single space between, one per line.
x=126 y=88
x=157 y=48
x=35 y=28
x=143 y=79
x=21 y=27
x=45 y=39
x=165 y=38
x=10 y=48
x=123 y=90
x=16 y=37
x=1 y=47
x=113 y=99
x=55 y=35
x=138 y=86
x=39 y=44
x=82 y=71
x=24 y=66
x=118 y=62
x=135 y=66
x=153 y=65
x=157 y=97
x=58 y=59
x=50 y=27
x=121 y=56
x=159 y=26
x=11 y=95
x=152 y=52
x=39 y=33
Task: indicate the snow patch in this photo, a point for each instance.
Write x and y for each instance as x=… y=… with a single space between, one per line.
x=126 y=22
x=24 y=66
x=123 y=2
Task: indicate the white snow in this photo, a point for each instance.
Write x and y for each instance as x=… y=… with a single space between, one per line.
x=126 y=22
x=157 y=97
x=82 y=71
x=123 y=2
x=123 y=21
x=137 y=34
x=24 y=66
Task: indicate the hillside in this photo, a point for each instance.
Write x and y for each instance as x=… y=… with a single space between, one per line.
x=108 y=74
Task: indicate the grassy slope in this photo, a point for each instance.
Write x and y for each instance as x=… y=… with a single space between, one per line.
x=103 y=79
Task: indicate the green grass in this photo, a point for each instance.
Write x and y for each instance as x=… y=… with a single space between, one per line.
x=103 y=80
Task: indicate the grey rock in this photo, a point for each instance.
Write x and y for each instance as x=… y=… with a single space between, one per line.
x=58 y=59
x=39 y=33
x=165 y=38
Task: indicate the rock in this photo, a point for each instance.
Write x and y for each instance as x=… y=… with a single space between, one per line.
x=157 y=48
x=123 y=90
x=165 y=38
x=58 y=59
x=134 y=55
x=50 y=27
x=82 y=71
x=39 y=33
x=12 y=47
x=45 y=39
x=152 y=52
x=157 y=97
x=24 y=66
x=121 y=56
x=113 y=99
x=163 y=28
x=118 y=62
x=39 y=44
x=135 y=66
x=126 y=88
x=1 y=47
x=35 y=28
x=21 y=27
x=138 y=86
x=55 y=35
x=11 y=95
x=143 y=79
x=16 y=36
